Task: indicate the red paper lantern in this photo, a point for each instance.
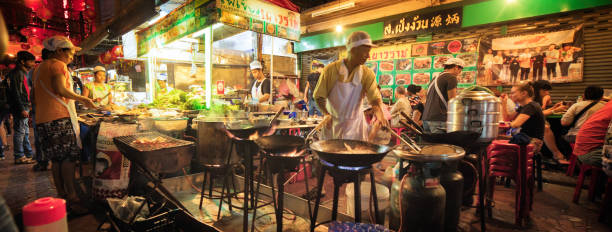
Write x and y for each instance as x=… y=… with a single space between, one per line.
x=44 y=14
x=25 y=31
x=11 y=66
x=117 y=51
x=34 y=4
x=78 y=5
x=2 y=67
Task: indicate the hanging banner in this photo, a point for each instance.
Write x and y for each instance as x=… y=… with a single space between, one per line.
x=554 y=56
x=260 y=16
x=188 y=18
x=413 y=24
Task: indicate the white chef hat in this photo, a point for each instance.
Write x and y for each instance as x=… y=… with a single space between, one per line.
x=54 y=42
x=358 y=38
x=455 y=61
x=255 y=65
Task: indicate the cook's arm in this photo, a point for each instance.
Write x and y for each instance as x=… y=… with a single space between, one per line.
x=322 y=103
x=58 y=81
x=264 y=98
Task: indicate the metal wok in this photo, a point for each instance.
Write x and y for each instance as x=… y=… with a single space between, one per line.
x=281 y=144
x=245 y=133
x=335 y=152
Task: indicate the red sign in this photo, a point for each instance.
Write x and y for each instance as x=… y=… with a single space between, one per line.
x=220 y=87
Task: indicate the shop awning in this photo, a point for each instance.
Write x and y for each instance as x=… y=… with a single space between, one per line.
x=133 y=15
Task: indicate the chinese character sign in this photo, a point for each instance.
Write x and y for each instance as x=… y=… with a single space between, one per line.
x=422 y=23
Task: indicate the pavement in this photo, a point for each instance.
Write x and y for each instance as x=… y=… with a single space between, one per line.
x=552 y=209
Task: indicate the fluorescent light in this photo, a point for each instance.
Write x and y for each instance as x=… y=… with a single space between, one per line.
x=510 y=1
x=338 y=28
x=335 y=8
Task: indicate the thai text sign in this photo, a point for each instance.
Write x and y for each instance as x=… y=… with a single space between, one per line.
x=260 y=16
x=187 y=19
x=400 y=51
x=413 y=24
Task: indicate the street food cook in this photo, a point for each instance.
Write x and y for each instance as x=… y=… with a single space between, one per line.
x=342 y=87
x=98 y=91
x=260 y=88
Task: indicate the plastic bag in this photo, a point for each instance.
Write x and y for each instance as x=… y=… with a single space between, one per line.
x=125 y=208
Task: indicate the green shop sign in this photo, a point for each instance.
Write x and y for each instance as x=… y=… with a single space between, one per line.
x=260 y=16
x=189 y=18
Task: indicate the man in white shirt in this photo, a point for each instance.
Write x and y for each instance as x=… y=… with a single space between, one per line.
x=552 y=57
x=592 y=95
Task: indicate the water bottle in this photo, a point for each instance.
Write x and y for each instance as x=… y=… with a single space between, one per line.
x=46 y=214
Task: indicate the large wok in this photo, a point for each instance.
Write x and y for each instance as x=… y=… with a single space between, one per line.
x=281 y=144
x=335 y=152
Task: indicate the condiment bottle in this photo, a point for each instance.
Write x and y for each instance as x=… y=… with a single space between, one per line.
x=46 y=214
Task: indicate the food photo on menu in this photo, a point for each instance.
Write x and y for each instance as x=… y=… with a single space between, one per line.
x=422 y=63
x=469 y=59
x=402 y=79
x=467 y=77
x=420 y=78
x=419 y=50
x=438 y=48
x=386 y=65
x=385 y=79
x=386 y=93
x=404 y=64
x=440 y=60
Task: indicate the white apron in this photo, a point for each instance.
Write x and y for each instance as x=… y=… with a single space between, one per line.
x=69 y=107
x=344 y=105
x=256 y=92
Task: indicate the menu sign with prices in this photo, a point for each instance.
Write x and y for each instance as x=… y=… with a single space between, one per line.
x=418 y=64
x=413 y=24
x=260 y=16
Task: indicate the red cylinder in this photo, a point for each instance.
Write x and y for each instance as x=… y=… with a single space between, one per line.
x=45 y=214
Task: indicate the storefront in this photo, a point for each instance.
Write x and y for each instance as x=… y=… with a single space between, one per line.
x=583 y=25
x=198 y=55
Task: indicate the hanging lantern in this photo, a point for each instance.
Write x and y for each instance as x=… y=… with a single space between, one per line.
x=117 y=51
x=25 y=31
x=11 y=66
x=34 y=4
x=44 y=13
x=2 y=67
x=78 y=5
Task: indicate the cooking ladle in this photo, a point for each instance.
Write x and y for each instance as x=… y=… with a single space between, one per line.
x=280 y=111
x=317 y=128
x=413 y=125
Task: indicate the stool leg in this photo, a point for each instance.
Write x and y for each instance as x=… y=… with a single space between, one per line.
x=320 y=180
x=257 y=193
x=307 y=188
x=221 y=198
x=593 y=183
x=579 y=184
x=375 y=198
x=210 y=186
x=490 y=193
x=357 y=185
x=229 y=194
x=538 y=162
x=203 y=189
x=280 y=180
x=335 y=201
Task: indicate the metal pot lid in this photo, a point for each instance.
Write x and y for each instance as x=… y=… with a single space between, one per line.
x=436 y=152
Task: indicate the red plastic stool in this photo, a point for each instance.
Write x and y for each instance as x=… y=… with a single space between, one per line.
x=515 y=162
x=595 y=173
x=573 y=161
